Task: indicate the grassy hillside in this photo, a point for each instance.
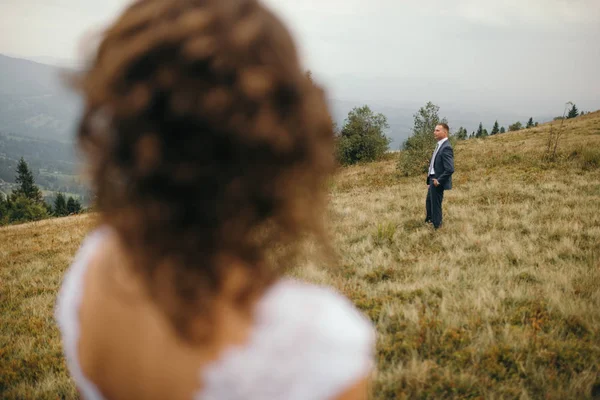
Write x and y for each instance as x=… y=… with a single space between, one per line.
x=502 y=302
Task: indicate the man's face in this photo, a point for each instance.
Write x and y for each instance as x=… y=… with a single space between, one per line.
x=439 y=133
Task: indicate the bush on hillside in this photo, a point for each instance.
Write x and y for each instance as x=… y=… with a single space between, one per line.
x=517 y=126
x=362 y=138
x=22 y=209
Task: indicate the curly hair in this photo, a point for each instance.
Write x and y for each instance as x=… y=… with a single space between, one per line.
x=206 y=142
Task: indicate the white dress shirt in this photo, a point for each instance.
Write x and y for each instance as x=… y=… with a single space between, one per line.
x=439 y=144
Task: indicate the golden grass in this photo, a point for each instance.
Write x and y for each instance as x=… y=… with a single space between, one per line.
x=502 y=302
x=33 y=258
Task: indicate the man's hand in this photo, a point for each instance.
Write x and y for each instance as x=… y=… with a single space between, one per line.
x=436 y=183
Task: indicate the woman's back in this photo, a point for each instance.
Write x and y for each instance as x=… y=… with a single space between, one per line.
x=209 y=151
x=303 y=342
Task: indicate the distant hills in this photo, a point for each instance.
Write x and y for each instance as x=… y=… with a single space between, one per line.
x=34 y=101
x=38 y=115
x=37 y=121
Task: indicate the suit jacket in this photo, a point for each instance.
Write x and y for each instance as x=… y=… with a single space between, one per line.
x=443 y=166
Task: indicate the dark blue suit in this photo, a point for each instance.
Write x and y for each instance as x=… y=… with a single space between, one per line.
x=443 y=166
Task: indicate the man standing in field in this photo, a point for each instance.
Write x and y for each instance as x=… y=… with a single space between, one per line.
x=439 y=177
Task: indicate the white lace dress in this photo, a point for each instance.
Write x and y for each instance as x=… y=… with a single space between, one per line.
x=308 y=342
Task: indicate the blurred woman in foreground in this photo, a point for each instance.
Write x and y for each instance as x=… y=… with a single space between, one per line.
x=209 y=150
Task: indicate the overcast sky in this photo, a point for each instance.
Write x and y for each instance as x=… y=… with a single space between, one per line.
x=492 y=54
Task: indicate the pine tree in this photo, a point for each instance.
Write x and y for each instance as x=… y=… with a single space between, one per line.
x=573 y=113
x=27 y=187
x=3 y=210
x=485 y=133
x=73 y=206
x=461 y=134
x=495 y=128
x=23 y=209
x=502 y=130
x=60 y=205
x=48 y=208
x=479 y=131
x=530 y=123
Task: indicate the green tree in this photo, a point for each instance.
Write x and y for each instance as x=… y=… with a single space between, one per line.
x=48 y=207
x=73 y=206
x=60 y=205
x=495 y=128
x=418 y=148
x=502 y=130
x=479 y=130
x=3 y=209
x=23 y=209
x=517 y=126
x=27 y=187
x=425 y=121
x=362 y=138
x=529 y=123
x=481 y=133
x=461 y=134
x=573 y=113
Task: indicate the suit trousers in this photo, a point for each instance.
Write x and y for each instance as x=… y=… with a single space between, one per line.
x=433 y=204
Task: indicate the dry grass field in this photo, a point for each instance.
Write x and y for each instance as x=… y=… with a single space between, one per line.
x=502 y=303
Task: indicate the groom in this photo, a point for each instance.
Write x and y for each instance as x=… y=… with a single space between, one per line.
x=439 y=178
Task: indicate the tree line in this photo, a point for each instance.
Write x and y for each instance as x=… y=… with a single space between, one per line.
x=482 y=132
x=362 y=136
x=26 y=202
x=361 y=139
x=54 y=164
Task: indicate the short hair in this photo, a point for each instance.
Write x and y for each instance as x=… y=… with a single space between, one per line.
x=206 y=142
x=445 y=126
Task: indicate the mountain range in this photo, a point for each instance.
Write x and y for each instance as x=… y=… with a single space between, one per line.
x=36 y=102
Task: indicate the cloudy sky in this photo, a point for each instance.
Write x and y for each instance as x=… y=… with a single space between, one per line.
x=502 y=55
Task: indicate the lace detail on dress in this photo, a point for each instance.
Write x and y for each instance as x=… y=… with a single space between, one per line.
x=308 y=343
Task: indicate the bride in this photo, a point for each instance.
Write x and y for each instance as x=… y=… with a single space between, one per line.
x=209 y=150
